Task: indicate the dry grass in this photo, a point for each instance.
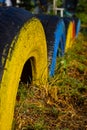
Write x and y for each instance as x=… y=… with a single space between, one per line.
x=63 y=106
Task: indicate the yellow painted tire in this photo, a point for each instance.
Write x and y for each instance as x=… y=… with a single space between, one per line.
x=69 y=37
x=29 y=43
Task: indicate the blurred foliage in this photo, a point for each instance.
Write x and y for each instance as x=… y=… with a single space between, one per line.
x=27 y=4
x=59 y=2
x=80 y=13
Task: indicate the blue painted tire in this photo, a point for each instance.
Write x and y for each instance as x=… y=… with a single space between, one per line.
x=78 y=25
x=55 y=36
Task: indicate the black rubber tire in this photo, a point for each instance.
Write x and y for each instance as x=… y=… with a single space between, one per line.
x=55 y=35
x=77 y=25
x=8 y=23
x=70 y=32
x=22 y=38
x=67 y=21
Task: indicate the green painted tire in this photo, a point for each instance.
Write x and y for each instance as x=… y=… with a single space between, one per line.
x=28 y=44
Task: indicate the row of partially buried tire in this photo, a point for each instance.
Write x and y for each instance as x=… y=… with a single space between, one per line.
x=29 y=46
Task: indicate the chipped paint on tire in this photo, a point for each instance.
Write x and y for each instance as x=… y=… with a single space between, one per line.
x=29 y=43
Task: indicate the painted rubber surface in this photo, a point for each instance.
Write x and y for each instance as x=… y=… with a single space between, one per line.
x=77 y=25
x=74 y=30
x=58 y=41
x=21 y=38
x=70 y=32
x=55 y=35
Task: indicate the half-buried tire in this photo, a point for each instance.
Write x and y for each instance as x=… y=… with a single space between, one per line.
x=55 y=35
x=70 y=32
x=22 y=41
x=77 y=25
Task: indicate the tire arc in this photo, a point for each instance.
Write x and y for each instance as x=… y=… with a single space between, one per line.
x=77 y=25
x=26 y=43
x=70 y=32
x=11 y=20
x=58 y=31
x=55 y=35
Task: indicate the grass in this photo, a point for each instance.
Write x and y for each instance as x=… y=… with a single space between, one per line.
x=64 y=105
